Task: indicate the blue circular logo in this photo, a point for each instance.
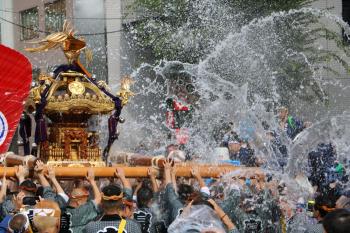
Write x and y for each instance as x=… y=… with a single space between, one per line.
x=3 y=128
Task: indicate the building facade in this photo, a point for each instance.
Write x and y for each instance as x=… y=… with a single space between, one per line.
x=6 y=29
x=34 y=18
x=98 y=21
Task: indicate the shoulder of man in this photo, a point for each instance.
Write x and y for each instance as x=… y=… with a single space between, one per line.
x=315 y=228
x=131 y=226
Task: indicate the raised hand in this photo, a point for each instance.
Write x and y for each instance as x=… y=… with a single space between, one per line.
x=168 y=164
x=21 y=173
x=39 y=170
x=120 y=173
x=18 y=200
x=3 y=188
x=167 y=171
x=90 y=175
x=39 y=167
x=51 y=173
x=4 y=180
x=195 y=172
x=152 y=172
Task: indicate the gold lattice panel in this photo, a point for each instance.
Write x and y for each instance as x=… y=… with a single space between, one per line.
x=80 y=163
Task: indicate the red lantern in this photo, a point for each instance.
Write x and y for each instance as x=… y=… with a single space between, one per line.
x=15 y=81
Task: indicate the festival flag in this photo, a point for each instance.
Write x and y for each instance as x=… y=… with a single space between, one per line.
x=15 y=81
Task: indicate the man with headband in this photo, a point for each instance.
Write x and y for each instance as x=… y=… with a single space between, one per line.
x=82 y=210
x=113 y=210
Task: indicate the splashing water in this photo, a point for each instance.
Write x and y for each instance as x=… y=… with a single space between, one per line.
x=199 y=219
x=332 y=130
x=240 y=81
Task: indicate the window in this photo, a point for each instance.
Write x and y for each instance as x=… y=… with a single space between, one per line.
x=30 y=22
x=346 y=16
x=55 y=13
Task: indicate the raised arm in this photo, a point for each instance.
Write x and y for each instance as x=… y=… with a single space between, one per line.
x=39 y=171
x=223 y=216
x=59 y=196
x=171 y=198
x=137 y=188
x=205 y=192
x=91 y=178
x=167 y=172
x=152 y=175
x=173 y=177
x=52 y=177
x=126 y=184
x=21 y=173
x=197 y=175
x=3 y=189
x=121 y=175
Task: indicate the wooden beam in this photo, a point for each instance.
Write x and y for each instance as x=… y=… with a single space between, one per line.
x=182 y=170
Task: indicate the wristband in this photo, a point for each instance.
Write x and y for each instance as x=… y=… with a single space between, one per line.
x=64 y=196
x=205 y=190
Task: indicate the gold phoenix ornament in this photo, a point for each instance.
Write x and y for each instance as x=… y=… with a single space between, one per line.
x=125 y=93
x=70 y=45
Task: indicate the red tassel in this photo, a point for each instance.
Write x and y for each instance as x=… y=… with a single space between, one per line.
x=15 y=80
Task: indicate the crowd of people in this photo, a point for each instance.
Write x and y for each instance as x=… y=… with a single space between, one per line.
x=248 y=201
x=325 y=174
x=42 y=205
x=251 y=202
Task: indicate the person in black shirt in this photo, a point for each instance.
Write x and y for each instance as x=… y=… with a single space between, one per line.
x=111 y=220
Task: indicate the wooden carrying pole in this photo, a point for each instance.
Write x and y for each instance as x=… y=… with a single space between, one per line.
x=10 y=159
x=134 y=159
x=206 y=171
